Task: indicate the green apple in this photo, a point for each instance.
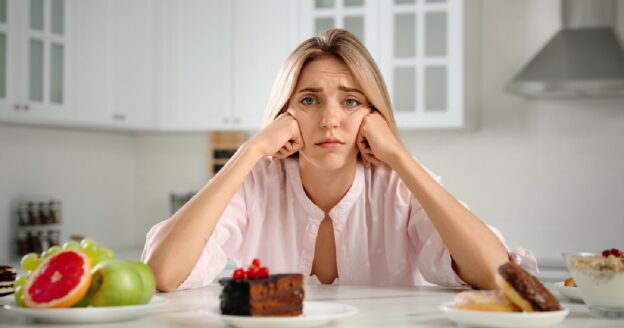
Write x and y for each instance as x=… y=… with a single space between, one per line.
x=149 y=283
x=115 y=282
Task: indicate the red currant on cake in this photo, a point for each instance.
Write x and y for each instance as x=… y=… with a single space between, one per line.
x=613 y=251
x=255 y=263
x=263 y=272
x=239 y=274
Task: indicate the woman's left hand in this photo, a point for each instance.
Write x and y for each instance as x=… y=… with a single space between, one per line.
x=375 y=140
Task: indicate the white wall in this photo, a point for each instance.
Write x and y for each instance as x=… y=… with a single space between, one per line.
x=92 y=173
x=166 y=162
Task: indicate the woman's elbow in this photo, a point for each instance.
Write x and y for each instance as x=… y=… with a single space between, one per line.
x=165 y=282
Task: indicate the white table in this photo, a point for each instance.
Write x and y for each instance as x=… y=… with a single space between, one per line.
x=378 y=307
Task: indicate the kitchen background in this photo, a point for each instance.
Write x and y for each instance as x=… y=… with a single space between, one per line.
x=546 y=172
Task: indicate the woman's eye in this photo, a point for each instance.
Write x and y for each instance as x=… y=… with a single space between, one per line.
x=352 y=102
x=308 y=101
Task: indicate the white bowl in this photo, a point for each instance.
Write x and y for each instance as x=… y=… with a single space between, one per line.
x=600 y=281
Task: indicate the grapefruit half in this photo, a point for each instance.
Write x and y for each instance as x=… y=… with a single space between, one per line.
x=61 y=281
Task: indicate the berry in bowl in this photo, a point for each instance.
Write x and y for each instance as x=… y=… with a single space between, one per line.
x=600 y=279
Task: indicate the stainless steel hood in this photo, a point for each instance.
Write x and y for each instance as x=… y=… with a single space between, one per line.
x=584 y=58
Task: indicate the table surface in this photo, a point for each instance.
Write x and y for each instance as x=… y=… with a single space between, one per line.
x=378 y=306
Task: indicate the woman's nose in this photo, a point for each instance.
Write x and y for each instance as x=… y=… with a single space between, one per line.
x=330 y=116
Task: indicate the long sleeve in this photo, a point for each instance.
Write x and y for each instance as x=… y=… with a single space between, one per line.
x=225 y=242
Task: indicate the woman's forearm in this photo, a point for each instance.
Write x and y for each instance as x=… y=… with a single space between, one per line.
x=179 y=244
x=476 y=250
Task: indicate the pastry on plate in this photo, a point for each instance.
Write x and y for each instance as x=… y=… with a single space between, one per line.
x=484 y=300
x=525 y=290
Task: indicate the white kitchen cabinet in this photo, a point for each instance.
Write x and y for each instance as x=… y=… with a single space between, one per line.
x=130 y=62
x=216 y=61
x=264 y=35
x=59 y=57
x=192 y=64
x=7 y=33
x=421 y=49
x=35 y=50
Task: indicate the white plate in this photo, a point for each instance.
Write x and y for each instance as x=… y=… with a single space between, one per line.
x=503 y=319
x=88 y=314
x=314 y=314
x=573 y=293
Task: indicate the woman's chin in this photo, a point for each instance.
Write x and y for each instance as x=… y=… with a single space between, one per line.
x=330 y=161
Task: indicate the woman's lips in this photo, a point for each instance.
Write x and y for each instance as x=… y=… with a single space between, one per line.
x=330 y=144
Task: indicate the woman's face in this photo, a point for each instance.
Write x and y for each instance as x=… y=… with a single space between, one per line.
x=329 y=106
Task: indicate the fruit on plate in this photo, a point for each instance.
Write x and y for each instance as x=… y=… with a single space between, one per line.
x=116 y=282
x=569 y=282
x=61 y=280
x=149 y=282
x=96 y=253
x=30 y=261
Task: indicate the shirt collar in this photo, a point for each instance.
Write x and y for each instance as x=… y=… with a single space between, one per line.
x=338 y=213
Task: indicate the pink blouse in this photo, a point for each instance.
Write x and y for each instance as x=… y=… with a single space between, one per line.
x=382 y=234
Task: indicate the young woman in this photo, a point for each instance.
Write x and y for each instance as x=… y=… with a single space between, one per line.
x=327 y=189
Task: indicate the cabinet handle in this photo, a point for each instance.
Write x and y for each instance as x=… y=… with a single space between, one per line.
x=236 y=120
x=26 y=107
x=226 y=120
x=119 y=117
x=17 y=107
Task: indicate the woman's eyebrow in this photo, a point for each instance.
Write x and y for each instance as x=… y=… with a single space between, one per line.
x=310 y=89
x=349 y=89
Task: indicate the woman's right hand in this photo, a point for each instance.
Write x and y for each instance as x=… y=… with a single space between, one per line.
x=281 y=138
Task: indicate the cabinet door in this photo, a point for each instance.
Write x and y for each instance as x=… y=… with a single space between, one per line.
x=264 y=36
x=422 y=61
x=193 y=67
x=418 y=45
x=43 y=50
x=131 y=27
x=357 y=16
x=6 y=101
x=89 y=55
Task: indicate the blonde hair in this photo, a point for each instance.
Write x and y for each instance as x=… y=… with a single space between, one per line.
x=345 y=46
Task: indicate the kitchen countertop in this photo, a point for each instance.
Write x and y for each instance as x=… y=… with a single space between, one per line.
x=378 y=306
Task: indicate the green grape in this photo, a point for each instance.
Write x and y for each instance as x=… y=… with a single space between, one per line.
x=89 y=245
x=21 y=280
x=71 y=245
x=19 y=292
x=105 y=254
x=51 y=251
x=30 y=261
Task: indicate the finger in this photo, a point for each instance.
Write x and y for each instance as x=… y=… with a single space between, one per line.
x=365 y=159
x=376 y=161
x=283 y=153
x=361 y=143
x=288 y=146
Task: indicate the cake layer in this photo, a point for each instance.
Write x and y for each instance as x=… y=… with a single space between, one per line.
x=275 y=295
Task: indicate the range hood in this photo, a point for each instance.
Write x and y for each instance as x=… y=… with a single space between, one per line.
x=584 y=58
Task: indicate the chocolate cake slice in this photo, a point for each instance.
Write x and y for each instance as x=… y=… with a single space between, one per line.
x=7 y=280
x=275 y=295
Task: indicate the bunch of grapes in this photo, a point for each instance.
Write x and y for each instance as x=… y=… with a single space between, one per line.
x=31 y=261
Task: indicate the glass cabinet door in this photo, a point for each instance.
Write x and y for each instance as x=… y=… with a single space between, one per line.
x=46 y=43
x=418 y=45
x=356 y=16
x=417 y=56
